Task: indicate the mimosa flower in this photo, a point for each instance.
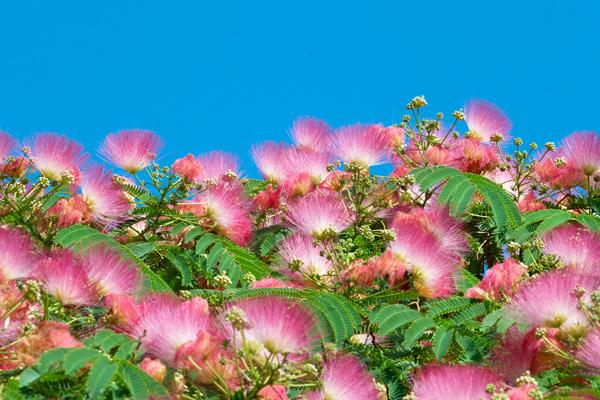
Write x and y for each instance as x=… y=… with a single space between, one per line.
x=55 y=156
x=131 y=150
x=485 y=119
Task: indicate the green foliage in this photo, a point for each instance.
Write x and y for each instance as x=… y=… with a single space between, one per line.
x=104 y=368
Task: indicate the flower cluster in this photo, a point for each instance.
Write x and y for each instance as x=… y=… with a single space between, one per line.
x=470 y=271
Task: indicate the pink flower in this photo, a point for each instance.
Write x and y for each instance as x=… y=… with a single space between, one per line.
x=548 y=300
x=273 y=392
x=110 y=272
x=153 y=367
x=319 y=213
x=54 y=155
x=522 y=392
x=499 y=281
x=188 y=168
x=385 y=266
x=453 y=382
x=269 y=157
x=584 y=149
x=485 y=119
x=63 y=276
x=431 y=268
x=558 y=173
x=276 y=325
x=131 y=150
x=71 y=211
x=345 y=378
x=589 y=351
x=300 y=249
x=18 y=258
x=218 y=165
x=311 y=134
x=225 y=206
x=106 y=200
x=186 y=323
x=267 y=199
x=470 y=155
x=312 y=163
x=363 y=145
x=266 y=283
x=530 y=203
x=7 y=143
x=576 y=246
x=48 y=335
x=15 y=168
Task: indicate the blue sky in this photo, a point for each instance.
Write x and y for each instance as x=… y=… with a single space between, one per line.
x=224 y=74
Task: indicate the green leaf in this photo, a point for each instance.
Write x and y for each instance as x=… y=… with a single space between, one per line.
x=447 y=306
x=441 y=341
x=141 y=249
x=193 y=234
x=140 y=385
x=505 y=212
x=184 y=269
x=393 y=316
x=77 y=358
x=28 y=376
x=204 y=242
x=470 y=313
x=100 y=376
x=416 y=330
x=591 y=221
x=490 y=320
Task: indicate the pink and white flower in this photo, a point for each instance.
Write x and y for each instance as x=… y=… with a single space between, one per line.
x=7 y=143
x=269 y=158
x=132 y=149
x=106 y=200
x=345 y=378
x=499 y=281
x=64 y=277
x=55 y=156
x=589 y=351
x=363 y=145
x=583 y=148
x=299 y=248
x=311 y=134
x=485 y=119
x=217 y=166
x=188 y=167
x=575 y=246
x=453 y=382
x=18 y=258
x=319 y=213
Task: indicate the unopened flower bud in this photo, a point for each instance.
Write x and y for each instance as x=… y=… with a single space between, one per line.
x=459 y=115
x=497 y=137
x=550 y=146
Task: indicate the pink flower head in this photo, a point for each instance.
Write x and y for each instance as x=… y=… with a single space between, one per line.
x=319 y=213
x=270 y=283
x=15 y=168
x=485 y=119
x=558 y=173
x=385 y=266
x=132 y=149
x=63 y=276
x=549 y=300
x=432 y=269
x=110 y=272
x=269 y=198
x=277 y=325
x=17 y=255
x=575 y=246
x=311 y=134
x=7 y=143
x=300 y=249
x=54 y=155
x=106 y=200
x=273 y=392
x=226 y=207
x=312 y=163
x=270 y=157
x=453 y=382
x=530 y=203
x=218 y=165
x=184 y=322
x=188 y=168
x=500 y=280
x=584 y=149
x=74 y=210
x=470 y=155
x=155 y=368
x=345 y=378
x=363 y=145
x=18 y=313
x=589 y=351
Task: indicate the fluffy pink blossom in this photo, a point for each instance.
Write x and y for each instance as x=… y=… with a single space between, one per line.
x=14 y=168
x=453 y=382
x=311 y=134
x=132 y=149
x=530 y=203
x=7 y=143
x=188 y=168
x=363 y=145
x=273 y=392
x=584 y=149
x=266 y=283
x=48 y=335
x=589 y=351
x=63 y=276
x=548 y=300
x=431 y=268
x=277 y=325
x=485 y=119
x=319 y=213
x=218 y=165
x=225 y=206
x=54 y=155
x=575 y=246
x=345 y=378
x=17 y=313
x=270 y=158
x=18 y=258
x=558 y=173
x=470 y=155
x=106 y=200
x=313 y=163
x=155 y=368
x=269 y=198
x=297 y=185
x=300 y=249
x=186 y=322
x=385 y=266
x=499 y=281
x=74 y=210
x=110 y=272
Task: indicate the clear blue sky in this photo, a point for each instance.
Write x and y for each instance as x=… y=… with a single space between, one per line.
x=223 y=75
